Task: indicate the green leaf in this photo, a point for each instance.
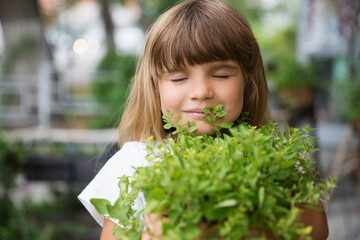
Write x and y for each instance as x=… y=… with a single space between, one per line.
x=151 y=205
x=216 y=107
x=226 y=125
x=101 y=205
x=304 y=231
x=192 y=129
x=119 y=232
x=166 y=227
x=168 y=126
x=124 y=185
x=283 y=173
x=118 y=213
x=191 y=232
x=227 y=203
x=261 y=196
x=133 y=234
x=179 y=119
x=287 y=127
x=206 y=111
x=285 y=164
x=158 y=193
x=180 y=158
x=221 y=113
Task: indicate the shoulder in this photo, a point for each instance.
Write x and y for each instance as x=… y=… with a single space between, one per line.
x=136 y=147
x=105 y=184
x=131 y=154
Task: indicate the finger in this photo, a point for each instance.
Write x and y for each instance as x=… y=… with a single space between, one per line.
x=153 y=226
x=150 y=228
x=145 y=236
x=149 y=221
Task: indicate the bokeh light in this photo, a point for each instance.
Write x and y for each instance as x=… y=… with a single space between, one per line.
x=80 y=46
x=93 y=46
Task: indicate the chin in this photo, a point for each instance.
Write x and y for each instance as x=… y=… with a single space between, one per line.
x=207 y=130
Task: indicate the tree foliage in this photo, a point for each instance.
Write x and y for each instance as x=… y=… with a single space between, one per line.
x=110 y=88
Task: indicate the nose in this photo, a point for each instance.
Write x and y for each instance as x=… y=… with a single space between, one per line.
x=201 y=89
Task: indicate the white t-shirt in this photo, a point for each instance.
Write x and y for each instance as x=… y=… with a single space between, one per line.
x=105 y=183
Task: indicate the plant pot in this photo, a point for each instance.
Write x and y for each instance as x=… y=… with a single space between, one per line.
x=298 y=97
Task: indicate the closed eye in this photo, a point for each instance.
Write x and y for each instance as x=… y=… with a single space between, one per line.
x=222 y=76
x=178 y=79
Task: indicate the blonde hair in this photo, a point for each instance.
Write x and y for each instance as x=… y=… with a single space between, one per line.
x=193 y=32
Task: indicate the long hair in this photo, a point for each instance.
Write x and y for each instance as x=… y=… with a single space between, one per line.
x=193 y=32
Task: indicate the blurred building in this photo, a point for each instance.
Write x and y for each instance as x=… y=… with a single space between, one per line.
x=59 y=85
x=319 y=31
x=322 y=41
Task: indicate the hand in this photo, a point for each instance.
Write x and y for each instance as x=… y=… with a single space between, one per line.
x=317 y=219
x=153 y=227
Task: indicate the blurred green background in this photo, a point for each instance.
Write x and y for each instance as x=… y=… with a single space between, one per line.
x=65 y=69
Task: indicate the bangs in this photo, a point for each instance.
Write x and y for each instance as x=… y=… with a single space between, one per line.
x=195 y=36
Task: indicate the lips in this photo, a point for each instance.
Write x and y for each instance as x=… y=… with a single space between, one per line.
x=196 y=112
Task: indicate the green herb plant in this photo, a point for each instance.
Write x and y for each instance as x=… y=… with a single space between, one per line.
x=231 y=182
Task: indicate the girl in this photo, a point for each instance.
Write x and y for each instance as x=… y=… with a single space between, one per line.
x=197 y=53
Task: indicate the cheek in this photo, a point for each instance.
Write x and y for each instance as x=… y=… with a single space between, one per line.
x=163 y=102
x=235 y=96
x=235 y=99
x=168 y=98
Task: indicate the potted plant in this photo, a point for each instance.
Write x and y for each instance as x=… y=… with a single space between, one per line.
x=225 y=186
x=293 y=82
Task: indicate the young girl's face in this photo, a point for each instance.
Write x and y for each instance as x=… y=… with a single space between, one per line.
x=193 y=88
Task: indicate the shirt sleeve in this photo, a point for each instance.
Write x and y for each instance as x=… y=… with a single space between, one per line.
x=105 y=183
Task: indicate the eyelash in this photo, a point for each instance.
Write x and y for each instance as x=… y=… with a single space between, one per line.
x=178 y=79
x=216 y=76
x=222 y=76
